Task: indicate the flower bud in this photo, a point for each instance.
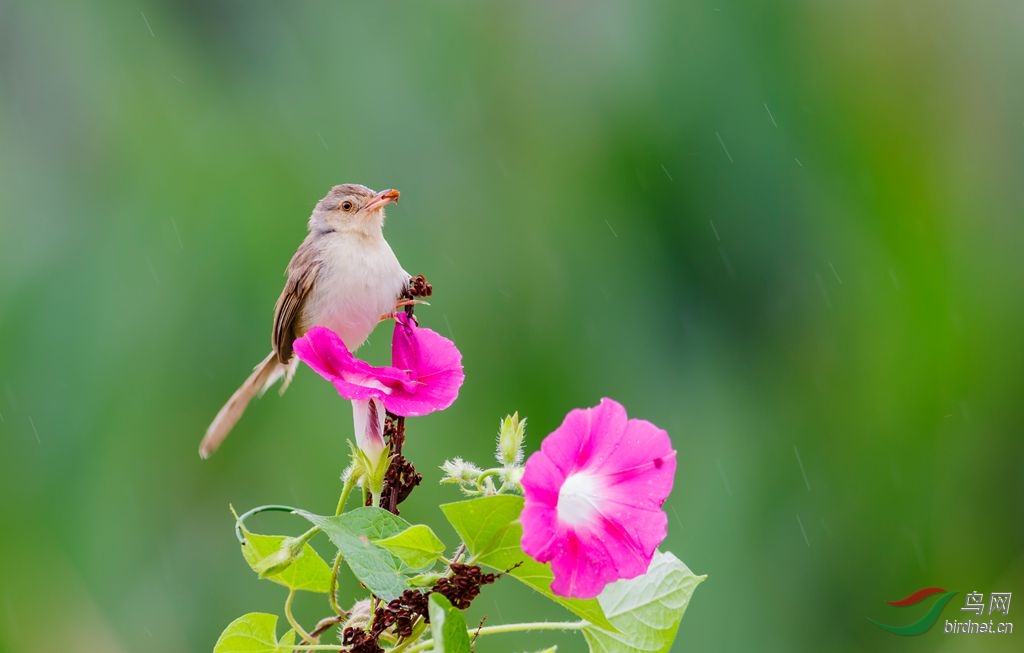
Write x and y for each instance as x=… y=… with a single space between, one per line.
x=510 y=440
x=375 y=474
x=512 y=476
x=458 y=470
x=278 y=561
x=368 y=423
x=488 y=487
x=369 y=472
x=359 y=615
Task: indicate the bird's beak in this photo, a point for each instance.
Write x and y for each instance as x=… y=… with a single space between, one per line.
x=382 y=199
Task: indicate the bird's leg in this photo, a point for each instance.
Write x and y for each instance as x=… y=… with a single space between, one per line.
x=402 y=303
x=418 y=287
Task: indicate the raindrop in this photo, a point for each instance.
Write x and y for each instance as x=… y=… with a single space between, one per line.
x=803 y=530
x=802 y=471
x=35 y=431
x=148 y=26
x=724 y=148
x=611 y=228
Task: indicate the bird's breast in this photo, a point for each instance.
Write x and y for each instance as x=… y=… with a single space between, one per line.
x=359 y=281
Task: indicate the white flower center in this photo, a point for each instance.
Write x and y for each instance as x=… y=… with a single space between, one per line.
x=579 y=498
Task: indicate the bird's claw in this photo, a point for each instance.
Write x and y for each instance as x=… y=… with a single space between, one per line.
x=402 y=303
x=399 y=306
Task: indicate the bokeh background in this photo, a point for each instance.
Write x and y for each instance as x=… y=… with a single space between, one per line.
x=787 y=232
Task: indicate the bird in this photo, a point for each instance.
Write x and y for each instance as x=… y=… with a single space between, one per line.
x=343 y=276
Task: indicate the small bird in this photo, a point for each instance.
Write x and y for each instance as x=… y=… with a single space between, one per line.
x=343 y=276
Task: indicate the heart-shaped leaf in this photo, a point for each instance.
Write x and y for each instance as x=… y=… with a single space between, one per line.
x=308 y=571
x=491 y=530
x=447 y=626
x=416 y=546
x=645 y=610
x=255 y=632
x=355 y=533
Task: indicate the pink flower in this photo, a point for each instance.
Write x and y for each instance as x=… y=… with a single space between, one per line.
x=368 y=425
x=593 y=498
x=425 y=375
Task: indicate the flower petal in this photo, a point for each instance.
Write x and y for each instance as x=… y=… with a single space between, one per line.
x=325 y=352
x=542 y=479
x=583 y=567
x=587 y=437
x=368 y=424
x=635 y=494
x=540 y=531
x=434 y=365
x=608 y=477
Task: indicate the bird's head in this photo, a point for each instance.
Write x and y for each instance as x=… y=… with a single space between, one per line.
x=351 y=208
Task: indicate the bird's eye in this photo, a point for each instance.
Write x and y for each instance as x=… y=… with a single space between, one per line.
x=346 y=206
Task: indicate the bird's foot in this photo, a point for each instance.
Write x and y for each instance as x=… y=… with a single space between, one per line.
x=402 y=304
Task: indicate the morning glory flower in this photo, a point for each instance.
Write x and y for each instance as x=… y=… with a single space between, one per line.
x=425 y=375
x=594 y=493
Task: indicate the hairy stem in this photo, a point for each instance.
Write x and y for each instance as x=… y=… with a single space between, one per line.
x=324 y=625
x=305 y=537
x=332 y=595
x=346 y=490
x=459 y=552
x=306 y=637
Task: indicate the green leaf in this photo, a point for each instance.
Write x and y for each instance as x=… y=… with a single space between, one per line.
x=491 y=530
x=355 y=533
x=287 y=641
x=416 y=546
x=255 y=632
x=307 y=572
x=646 y=610
x=428 y=579
x=447 y=626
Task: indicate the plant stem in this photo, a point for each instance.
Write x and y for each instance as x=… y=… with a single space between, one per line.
x=417 y=630
x=460 y=552
x=291 y=618
x=325 y=625
x=508 y=628
x=332 y=595
x=494 y=471
x=346 y=490
x=239 y=522
x=305 y=537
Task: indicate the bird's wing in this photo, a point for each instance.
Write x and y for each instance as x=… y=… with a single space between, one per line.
x=302 y=274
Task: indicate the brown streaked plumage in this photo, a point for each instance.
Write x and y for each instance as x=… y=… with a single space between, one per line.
x=343 y=276
x=302 y=272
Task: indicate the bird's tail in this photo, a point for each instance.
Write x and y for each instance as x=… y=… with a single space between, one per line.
x=263 y=376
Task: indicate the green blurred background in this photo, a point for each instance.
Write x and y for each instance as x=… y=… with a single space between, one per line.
x=787 y=232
